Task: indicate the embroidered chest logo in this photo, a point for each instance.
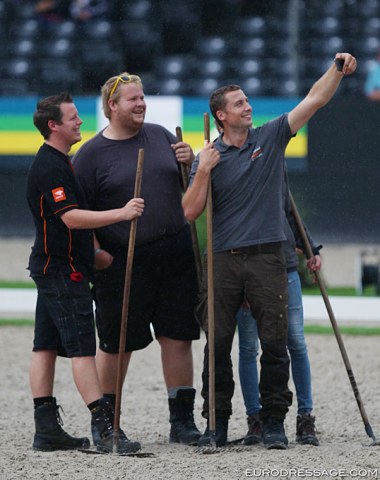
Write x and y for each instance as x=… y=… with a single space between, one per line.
x=257 y=153
x=58 y=194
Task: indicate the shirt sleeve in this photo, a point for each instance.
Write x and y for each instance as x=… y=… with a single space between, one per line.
x=193 y=170
x=58 y=188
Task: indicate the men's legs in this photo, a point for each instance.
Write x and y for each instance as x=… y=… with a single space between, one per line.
x=41 y=373
x=266 y=291
x=49 y=434
x=174 y=295
x=228 y=297
x=177 y=366
x=300 y=364
x=107 y=365
x=177 y=362
x=64 y=319
x=86 y=378
x=249 y=381
x=107 y=368
x=108 y=293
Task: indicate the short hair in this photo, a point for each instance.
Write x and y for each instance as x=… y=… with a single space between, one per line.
x=218 y=100
x=47 y=109
x=109 y=85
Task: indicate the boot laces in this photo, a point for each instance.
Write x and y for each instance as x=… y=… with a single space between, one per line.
x=59 y=418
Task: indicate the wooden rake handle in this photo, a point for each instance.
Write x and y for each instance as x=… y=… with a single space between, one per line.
x=126 y=294
x=338 y=336
x=193 y=227
x=210 y=296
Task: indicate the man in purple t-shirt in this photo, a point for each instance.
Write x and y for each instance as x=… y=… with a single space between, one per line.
x=164 y=287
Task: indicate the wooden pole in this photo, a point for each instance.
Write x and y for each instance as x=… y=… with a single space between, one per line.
x=124 y=315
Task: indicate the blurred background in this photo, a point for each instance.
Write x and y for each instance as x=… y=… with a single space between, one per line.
x=184 y=49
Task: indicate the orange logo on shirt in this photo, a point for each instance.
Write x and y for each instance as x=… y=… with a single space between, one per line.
x=58 y=194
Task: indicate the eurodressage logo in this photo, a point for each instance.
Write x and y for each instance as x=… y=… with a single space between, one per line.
x=312 y=472
x=257 y=153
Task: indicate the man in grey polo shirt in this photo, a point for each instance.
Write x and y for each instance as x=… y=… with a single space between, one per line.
x=246 y=166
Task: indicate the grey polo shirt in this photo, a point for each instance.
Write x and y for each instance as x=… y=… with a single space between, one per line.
x=248 y=187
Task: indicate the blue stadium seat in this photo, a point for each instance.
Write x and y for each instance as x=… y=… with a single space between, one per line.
x=53 y=76
x=29 y=28
x=174 y=66
x=67 y=30
x=253 y=86
x=213 y=47
x=23 y=47
x=252 y=26
x=18 y=68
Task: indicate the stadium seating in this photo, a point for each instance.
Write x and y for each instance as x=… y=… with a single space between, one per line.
x=187 y=47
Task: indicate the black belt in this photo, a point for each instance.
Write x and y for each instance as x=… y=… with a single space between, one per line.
x=259 y=248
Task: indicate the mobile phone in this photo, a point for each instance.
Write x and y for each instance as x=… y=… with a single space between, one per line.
x=339 y=62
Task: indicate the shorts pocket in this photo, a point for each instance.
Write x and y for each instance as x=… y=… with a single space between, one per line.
x=85 y=317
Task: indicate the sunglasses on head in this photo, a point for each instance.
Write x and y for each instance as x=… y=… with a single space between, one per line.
x=123 y=79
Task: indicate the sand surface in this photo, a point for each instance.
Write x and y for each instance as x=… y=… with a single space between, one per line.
x=344 y=451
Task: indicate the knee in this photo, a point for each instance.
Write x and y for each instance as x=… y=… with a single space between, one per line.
x=248 y=351
x=297 y=345
x=176 y=346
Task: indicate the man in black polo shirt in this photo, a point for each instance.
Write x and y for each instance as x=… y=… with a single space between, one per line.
x=61 y=265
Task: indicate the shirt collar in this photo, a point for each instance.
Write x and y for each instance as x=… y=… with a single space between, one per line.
x=251 y=139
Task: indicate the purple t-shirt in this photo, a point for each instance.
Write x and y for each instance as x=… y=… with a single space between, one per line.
x=107 y=169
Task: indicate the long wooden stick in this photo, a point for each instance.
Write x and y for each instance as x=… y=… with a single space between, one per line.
x=338 y=336
x=126 y=294
x=210 y=298
x=193 y=227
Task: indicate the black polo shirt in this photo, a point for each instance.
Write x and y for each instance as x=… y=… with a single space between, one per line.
x=53 y=189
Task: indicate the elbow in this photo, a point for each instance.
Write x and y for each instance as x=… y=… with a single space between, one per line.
x=189 y=212
x=69 y=220
x=190 y=215
x=70 y=225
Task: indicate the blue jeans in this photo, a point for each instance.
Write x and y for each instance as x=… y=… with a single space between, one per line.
x=299 y=360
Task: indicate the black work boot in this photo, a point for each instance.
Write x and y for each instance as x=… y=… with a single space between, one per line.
x=274 y=434
x=221 y=432
x=50 y=435
x=255 y=431
x=181 y=408
x=102 y=418
x=305 y=433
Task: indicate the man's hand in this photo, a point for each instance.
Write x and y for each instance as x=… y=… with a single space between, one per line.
x=183 y=152
x=134 y=208
x=208 y=158
x=314 y=263
x=349 y=65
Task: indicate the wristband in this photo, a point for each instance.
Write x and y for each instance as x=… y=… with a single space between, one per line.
x=98 y=250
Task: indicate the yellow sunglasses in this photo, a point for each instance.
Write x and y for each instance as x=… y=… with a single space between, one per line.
x=124 y=79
